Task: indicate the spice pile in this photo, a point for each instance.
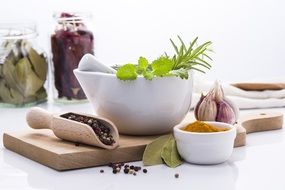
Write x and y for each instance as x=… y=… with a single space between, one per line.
x=202 y=127
x=102 y=131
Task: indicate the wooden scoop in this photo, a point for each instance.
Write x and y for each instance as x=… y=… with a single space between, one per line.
x=70 y=130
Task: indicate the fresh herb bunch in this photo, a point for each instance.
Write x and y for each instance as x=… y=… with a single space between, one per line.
x=184 y=59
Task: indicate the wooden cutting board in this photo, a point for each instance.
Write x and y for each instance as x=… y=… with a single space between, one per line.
x=260 y=86
x=43 y=147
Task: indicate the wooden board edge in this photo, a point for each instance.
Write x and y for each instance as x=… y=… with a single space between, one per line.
x=240 y=139
x=129 y=154
x=25 y=149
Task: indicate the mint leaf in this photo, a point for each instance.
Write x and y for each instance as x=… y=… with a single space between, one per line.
x=162 y=66
x=143 y=64
x=127 y=72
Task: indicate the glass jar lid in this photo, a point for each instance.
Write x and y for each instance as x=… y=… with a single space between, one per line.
x=72 y=16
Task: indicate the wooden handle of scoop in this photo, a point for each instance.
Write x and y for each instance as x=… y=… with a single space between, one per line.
x=38 y=118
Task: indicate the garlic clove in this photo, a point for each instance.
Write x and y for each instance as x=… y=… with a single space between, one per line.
x=219 y=93
x=234 y=107
x=198 y=105
x=207 y=110
x=225 y=113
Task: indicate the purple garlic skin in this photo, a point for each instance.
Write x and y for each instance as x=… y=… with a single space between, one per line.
x=198 y=105
x=225 y=113
x=207 y=110
x=215 y=106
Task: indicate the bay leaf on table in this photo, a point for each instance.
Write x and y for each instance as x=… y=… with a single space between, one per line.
x=170 y=154
x=152 y=152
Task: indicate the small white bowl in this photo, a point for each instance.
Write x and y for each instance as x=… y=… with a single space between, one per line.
x=205 y=148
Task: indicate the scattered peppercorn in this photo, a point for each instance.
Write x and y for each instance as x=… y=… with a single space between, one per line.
x=126 y=170
x=101 y=171
x=176 y=175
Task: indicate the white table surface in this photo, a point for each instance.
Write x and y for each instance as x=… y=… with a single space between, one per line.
x=259 y=165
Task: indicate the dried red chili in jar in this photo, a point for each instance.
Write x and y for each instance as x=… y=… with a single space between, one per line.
x=69 y=42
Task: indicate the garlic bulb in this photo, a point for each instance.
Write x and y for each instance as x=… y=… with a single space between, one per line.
x=216 y=107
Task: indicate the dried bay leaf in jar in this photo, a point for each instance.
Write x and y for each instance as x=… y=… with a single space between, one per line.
x=23 y=66
x=71 y=39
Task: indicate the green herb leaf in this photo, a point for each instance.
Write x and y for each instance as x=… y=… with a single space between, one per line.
x=127 y=72
x=143 y=64
x=152 y=152
x=170 y=154
x=162 y=66
x=148 y=75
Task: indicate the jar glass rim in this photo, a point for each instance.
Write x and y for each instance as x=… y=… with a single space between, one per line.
x=74 y=16
x=18 y=30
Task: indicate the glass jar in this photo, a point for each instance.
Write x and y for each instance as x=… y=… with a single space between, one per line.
x=23 y=66
x=71 y=39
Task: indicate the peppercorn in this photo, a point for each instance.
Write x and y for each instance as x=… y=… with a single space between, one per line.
x=77 y=144
x=131 y=167
x=126 y=166
x=134 y=173
x=145 y=171
x=114 y=171
x=126 y=170
x=101 y=171
x=176 y=175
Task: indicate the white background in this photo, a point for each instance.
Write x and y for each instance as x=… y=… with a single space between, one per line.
x=248 y=36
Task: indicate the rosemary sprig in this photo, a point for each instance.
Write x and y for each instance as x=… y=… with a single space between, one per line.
x=190 y=58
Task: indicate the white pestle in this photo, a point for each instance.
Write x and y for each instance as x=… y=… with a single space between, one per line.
x=89 y=63
x=70 y=130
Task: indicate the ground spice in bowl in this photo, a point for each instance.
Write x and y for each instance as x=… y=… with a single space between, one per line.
x=102 y=131
x=202 y=127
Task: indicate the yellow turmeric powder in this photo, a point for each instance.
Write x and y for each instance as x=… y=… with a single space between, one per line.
x=202 y=127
